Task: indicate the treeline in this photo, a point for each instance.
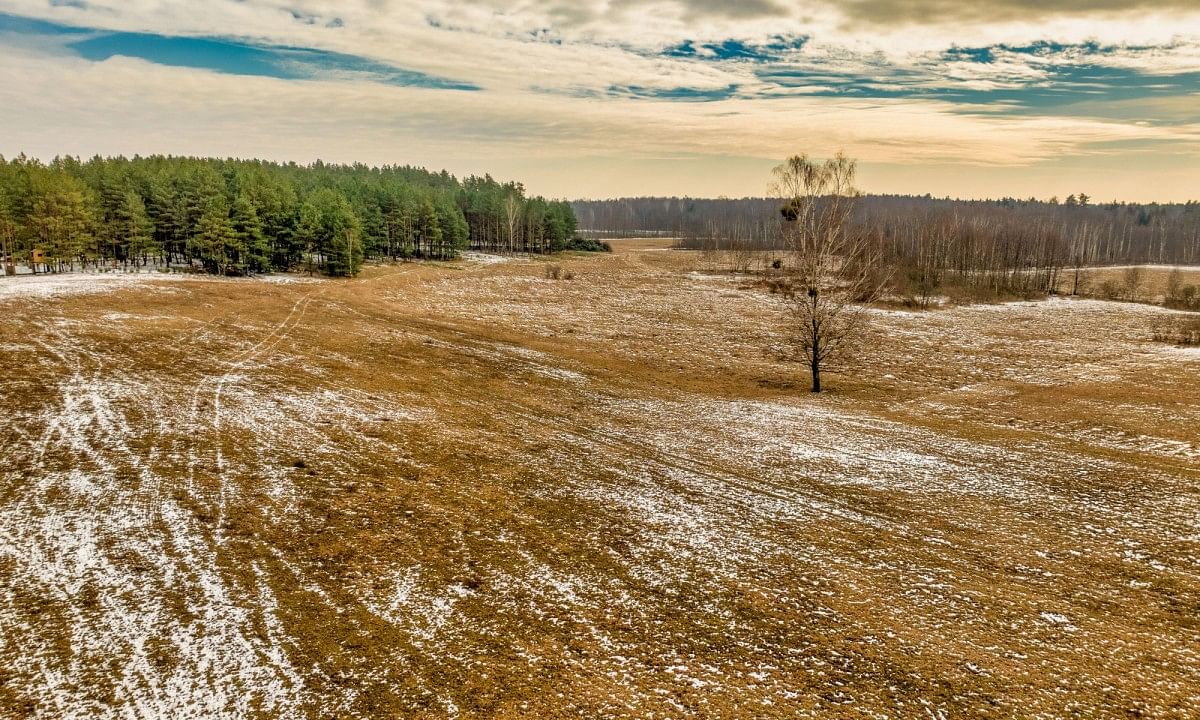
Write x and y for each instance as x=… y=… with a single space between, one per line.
x=923 y=244
x=691 y=220
x=1113 y=233
x=235 y=217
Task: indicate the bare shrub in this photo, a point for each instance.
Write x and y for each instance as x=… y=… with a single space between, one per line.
x=1180 y=296
x=740 y=256
x=1134 y=275
x=780 y=286
x=1188 y=298
x=556 y=272
x=1174 y=284
x=1110 y=290
x=1178 y=330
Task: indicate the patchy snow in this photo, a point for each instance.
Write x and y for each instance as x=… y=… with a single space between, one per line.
x=479 y=258
x=194 y=539
x=288 y=279
x=1184 y=268
x=62 y=285
x=49 y=285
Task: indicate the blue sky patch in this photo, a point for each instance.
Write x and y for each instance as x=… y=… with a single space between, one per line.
x=1067 y=75
x=773 y=50
x=688 y=94
x=233 y=57
x=30 y=26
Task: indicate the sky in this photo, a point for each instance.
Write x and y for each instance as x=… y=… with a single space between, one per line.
x=610 y=98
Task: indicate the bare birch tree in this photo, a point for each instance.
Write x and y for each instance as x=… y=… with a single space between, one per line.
x=834 y=270
x=512 y=215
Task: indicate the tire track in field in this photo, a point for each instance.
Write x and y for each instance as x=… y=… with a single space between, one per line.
x=219 y=382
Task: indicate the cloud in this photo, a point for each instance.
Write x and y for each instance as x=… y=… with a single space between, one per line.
x=688 y=94
x=927 y=12
x=593 y=82
x=1038 y=78
x=704 y=9
x=241 y=58
x=773 y=49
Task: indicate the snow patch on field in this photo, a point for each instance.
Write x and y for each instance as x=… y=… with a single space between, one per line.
x=106 y=545
x=68 y=284
x=517 y=357
x=423 y=612
x=479 y=258
x=288 y=279
x=45 y=286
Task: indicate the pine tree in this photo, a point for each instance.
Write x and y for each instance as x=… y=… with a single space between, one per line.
x=333 y=232
x=60 y=217
x=256 y=252
x=429 y=228
x=137 y=229
x=215 y=237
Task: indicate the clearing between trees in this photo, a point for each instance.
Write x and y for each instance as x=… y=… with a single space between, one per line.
x=471 y=489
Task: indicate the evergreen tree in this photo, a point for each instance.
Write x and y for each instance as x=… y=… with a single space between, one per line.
x=137 y=229
x=429 y=229
x=60 y=218
x=215 y=241
x=333 y=233
x=234 y=216
x=252 y=244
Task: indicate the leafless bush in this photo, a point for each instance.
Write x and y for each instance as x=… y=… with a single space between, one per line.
x=1183 y=330
x=556 y=272
x=1180 y=296
x=740 y=257
x=1174 y=283
x=1110 y=290
x=781 y=286
x=1133 y=275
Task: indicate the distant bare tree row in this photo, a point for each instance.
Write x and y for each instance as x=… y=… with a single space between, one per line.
x=1004 y=246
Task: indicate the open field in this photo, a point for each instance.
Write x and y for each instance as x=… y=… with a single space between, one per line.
x=1152 y=280
x=465 y=490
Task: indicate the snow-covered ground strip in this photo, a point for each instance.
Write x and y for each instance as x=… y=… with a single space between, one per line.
x=52 y=285
x=39 y=286
x=479 y=258
x=288 y=279
x=1167 y=268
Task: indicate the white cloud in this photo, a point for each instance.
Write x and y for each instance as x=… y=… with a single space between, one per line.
x=57 y=103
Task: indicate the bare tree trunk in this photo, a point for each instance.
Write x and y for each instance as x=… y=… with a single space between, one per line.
x=816 y=366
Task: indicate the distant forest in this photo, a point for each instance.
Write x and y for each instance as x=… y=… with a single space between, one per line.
x=1018 y=232
x=235 y=217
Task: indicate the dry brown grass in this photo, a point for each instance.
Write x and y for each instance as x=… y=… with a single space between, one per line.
x=1152 y=281
x=477 y=492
